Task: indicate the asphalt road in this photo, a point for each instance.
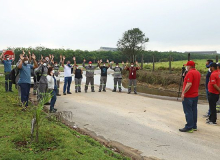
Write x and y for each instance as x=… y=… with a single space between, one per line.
x=149 y=125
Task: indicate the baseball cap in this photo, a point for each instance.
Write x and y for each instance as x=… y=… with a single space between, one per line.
x=213 y=65
x=190 y=63
x=90 y=62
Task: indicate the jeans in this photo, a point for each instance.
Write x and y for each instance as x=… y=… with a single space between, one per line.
x=25 y=89
x=53 y=99
x=67 y=83
x=190 y=110
x=8 y=83
x=207 y=96
x=213 y=98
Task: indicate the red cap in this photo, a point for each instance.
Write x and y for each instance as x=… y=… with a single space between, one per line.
x=190 y=63
x=90 y=62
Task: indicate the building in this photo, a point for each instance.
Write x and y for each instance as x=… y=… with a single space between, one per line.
x=107 y=49
x=202 y=52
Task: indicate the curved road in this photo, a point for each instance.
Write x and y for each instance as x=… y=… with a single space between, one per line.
x=146 y=124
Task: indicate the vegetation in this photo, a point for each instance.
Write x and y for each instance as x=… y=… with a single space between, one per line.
x=132 y=43
x=116 y=56
x=56 y=141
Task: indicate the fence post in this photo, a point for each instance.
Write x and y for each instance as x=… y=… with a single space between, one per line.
x=153 y=62
x=216 y=58
x=188 y=56
x=170 y=63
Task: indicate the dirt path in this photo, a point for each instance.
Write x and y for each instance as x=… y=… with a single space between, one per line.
x=146 y=124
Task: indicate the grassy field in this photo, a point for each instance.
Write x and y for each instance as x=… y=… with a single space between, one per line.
x=56 y=141
x=177 y=65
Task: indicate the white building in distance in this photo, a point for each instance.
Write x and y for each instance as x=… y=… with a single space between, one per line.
x=202 y=52
x=107 y=49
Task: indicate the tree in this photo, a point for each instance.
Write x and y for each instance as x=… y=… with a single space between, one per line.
x=132 y=43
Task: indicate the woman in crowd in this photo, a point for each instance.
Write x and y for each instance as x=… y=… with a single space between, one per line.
x=52 y=88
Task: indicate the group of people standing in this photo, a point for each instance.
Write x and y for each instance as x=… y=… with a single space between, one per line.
x=190 y=94
x=46 y=76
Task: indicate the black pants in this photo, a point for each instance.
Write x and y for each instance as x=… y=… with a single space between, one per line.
x=8 y=83
x=213 y=98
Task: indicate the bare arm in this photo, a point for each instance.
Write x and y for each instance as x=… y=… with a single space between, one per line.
x=63 y=60
x=21 y=61
x=84 y=63
x=188 y=86
x=216 y=87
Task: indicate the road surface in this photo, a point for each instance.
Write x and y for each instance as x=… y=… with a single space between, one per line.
x=148 y=125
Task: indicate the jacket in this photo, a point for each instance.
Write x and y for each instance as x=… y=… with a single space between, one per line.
x=118 y=71
x=89 y=70
x=50 y=82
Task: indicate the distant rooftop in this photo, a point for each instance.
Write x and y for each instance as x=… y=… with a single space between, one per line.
x=107 y=49
x=201 y=52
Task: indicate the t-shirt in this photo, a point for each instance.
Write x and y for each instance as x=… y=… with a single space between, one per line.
x=193 y=76
x=132 y=72
x=104 y=70
x=25 y=73
x=67 y=71
x=7 y=65
x=214 y=79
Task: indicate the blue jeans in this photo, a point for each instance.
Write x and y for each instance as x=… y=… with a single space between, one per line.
x=25 y=89
x=190 y=110
x=53 y=99
x=207 y=96
x=67 y=83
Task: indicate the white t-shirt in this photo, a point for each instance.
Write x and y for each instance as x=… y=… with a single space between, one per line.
x=67 y=71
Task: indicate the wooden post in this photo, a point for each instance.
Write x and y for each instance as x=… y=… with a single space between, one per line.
x=170 y=63
x=142 y=60
x=153 y=62
x=188 y=56
x=216 y=58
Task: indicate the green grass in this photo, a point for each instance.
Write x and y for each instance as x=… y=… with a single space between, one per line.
x=56 y=141
x=177 y=65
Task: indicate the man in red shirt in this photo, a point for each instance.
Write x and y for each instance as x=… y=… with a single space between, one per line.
x=214 y=90
x=190 y=97
x=132 y=76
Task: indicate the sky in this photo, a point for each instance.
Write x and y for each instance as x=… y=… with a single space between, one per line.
x=170 y=25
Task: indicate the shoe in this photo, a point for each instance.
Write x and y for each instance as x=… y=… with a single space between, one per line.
x=100 y=90
x=135 y=92
x=53 y=111
x=93 y=90
x=10 y=91
x=206 y=115
x=186 y=130
x=58 y=94
x=79 y=91
x=113 y=90
x=64 y=93
x=194 y=129
x=69 y=93
x=85 y=91
x=129 y=92
x=211 y=123
x=104 y=90
x=120 y=90
x=47 y=103
x=75 y=91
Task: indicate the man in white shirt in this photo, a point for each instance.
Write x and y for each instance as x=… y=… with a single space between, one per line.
x=67 y=76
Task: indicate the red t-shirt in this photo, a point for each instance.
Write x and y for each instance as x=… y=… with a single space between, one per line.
x=214 y=79
x=132 y=72
x=193 y=76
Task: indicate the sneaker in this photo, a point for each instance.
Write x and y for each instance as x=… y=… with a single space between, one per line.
x=69 y=93
x=194 y=129
x=135 y=92
x=58 y=94
x=113 y=90
x=104 y=90
x=186 y=130
x=64 y=93
x=119 y=90
x=53 y=111
x=47 y=103
x=75 y=91
x=211 y=123
x=79 y=91
x=129 y=92
x=100 y=90
x=206 y=115
x=93 y=90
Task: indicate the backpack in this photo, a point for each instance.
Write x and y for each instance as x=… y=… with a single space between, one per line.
x=13 y=74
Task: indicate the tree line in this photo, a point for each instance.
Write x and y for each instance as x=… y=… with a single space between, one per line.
x=116 y=56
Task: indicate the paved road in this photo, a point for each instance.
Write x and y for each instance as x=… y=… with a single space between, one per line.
x=146 y=124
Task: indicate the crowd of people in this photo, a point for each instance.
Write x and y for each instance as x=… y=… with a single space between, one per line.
x=190 y=94
x=46 y=76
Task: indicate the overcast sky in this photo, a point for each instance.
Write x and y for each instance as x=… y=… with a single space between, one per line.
x=177 y=25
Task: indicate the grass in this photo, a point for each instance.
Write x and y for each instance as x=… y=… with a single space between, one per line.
x=56 y=141
x=177 y=65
